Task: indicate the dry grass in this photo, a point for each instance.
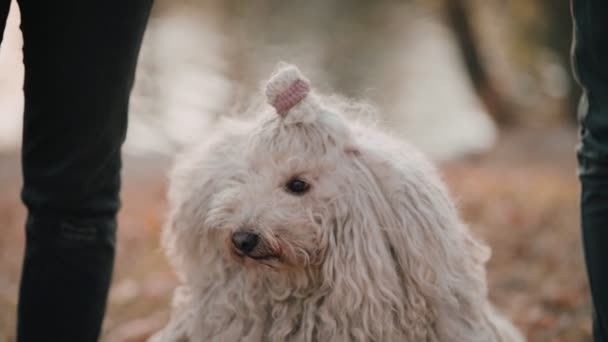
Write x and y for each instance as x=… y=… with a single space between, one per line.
x=521 y=198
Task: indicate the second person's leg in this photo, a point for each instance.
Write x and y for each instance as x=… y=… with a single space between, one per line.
x=80 y=59
x=590 y=62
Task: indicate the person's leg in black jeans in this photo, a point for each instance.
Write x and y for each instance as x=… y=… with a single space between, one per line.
x=4 y=6
x=590 y=59
x=80 y=59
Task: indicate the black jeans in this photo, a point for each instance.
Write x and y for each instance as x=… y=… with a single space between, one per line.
x=590 y=60
x=80 y=58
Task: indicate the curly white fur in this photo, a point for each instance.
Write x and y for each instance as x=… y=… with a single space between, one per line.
x=375 y=251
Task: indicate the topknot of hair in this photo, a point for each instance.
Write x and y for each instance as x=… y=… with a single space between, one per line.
x=286 y=88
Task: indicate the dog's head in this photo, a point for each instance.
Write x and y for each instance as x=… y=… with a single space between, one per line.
x=325 y=202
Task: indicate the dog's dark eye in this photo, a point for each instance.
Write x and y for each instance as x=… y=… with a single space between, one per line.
x=297 y=186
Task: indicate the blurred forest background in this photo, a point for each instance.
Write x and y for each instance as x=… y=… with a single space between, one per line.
x=482 y=86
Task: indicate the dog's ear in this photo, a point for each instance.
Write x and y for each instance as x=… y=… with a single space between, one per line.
x=189 y=193
x=196 y=177
x=363 y=282
x=431 y=248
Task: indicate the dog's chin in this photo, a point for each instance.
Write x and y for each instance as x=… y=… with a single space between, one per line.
x=270 y=260
x=265 y=261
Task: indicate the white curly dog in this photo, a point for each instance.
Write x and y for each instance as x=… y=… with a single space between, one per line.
x=303 y=225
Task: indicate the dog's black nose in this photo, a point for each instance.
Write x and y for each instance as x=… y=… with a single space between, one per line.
x=245 y=242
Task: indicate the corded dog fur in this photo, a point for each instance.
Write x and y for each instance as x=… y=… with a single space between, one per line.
x=303 y=224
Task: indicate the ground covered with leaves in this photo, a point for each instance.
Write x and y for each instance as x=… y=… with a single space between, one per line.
x=521 y=198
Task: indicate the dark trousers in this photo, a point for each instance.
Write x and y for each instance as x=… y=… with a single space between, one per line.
x=590 y=60
x=80 y=58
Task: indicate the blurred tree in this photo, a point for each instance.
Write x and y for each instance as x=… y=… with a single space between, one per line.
x=557 y=33
x=532 y=80
x=459 y=18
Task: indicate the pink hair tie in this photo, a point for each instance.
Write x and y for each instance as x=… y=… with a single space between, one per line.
x=291 y=96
